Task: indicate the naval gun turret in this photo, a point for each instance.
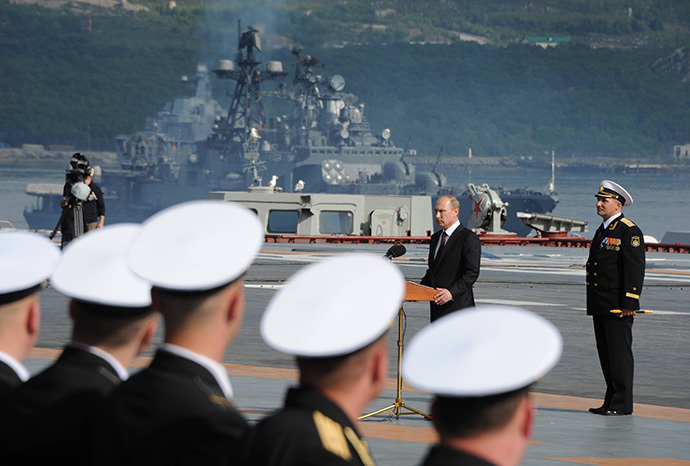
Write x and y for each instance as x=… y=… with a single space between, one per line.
x=488 y=210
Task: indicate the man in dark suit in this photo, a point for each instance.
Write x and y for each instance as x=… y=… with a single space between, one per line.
x=333 y=316
x=179 y=409
x=454 y=256
x=481 y=374
x=52 y=415
x=26 y=260
x=615 y=273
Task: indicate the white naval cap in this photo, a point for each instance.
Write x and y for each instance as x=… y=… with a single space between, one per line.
x=608 y=188
x=26 y=260
x=196 y=245
x=94 y=268
x=334 y=307
x=482 y=351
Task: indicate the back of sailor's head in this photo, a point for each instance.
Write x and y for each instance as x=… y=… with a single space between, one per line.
x=330 y=311
x=26 y=261
x=480 y=362
x=106 y=296
x=195 y=249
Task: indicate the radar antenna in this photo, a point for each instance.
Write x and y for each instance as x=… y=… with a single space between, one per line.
x=246 y=112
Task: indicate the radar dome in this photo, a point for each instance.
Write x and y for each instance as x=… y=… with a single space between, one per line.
x=226 y=65
x=274 y=66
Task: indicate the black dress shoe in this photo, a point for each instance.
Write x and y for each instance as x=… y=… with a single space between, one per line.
x=607 y=412
x=615 y=412
x=599 y=410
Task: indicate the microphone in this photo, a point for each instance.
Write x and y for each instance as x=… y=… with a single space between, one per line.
x=396 y=250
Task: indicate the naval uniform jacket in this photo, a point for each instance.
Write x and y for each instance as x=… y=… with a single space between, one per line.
x=8 y=380
x=172 y=413
x=441 y=455
x=456 y=268
x=53 y=413
x=310 y=430
x=615 y=268
x=615 y=272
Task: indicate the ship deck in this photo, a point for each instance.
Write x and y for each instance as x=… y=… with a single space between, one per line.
x=548 y=281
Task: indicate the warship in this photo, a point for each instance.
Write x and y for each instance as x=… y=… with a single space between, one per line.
x=324 y=144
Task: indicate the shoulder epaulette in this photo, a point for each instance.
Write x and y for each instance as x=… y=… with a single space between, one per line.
x=627 y=222
x=332 y=436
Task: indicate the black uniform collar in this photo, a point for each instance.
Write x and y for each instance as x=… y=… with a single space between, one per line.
x=313 y=399
x=441 y=455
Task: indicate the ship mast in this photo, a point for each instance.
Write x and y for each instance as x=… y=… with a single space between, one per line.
x=551 y=187
x=246 y=116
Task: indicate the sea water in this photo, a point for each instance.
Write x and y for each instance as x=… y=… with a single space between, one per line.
x=661 y=200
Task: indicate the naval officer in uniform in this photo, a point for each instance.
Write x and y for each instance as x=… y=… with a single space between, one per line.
x=26 y=261
x=480 y=364
x=53 y=414
x=333 y=316
x=615 y=272
x=179 y=410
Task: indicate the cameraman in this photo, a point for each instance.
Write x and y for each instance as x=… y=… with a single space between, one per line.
x=94 y=206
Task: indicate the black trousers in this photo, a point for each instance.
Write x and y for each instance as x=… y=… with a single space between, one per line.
x=614 y=344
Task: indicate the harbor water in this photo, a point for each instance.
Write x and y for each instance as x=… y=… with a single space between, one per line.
x=660 y=198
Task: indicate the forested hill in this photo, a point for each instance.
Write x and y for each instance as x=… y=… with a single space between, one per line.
x=83 y=73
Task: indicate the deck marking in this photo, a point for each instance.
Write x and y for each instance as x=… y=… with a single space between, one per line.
x=507 y=302
x=540 y=399
x=625 y=461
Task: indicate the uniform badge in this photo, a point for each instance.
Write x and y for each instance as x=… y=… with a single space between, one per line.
x=635 y=241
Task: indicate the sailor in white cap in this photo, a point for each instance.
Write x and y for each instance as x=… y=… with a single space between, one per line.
x=179 y=409
x=480 y=364
x=52 y=414
x=333 y=316
x=26 y=261
x=615 y=273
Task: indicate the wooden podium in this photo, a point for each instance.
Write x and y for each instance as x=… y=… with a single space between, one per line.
x=413 y=293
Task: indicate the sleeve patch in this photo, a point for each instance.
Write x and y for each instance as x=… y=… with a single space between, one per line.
x=635 y=241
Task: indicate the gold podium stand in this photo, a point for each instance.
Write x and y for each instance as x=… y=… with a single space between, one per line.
x=413 y=293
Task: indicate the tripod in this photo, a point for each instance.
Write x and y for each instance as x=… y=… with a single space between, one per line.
x=413 y=292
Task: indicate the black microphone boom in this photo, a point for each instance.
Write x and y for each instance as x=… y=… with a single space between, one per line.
x=396 y=250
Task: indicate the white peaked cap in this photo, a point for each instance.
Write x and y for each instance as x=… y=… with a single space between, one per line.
x=196 y=245
x=334 y=307
x=610 y=189
x=26 y=260
x=94 y=268
x=482 y=351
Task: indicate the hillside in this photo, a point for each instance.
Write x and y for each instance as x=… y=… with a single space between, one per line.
x=81 y=73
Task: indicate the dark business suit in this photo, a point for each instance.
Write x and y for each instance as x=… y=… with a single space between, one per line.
x=310 y=430
x=456 y=268
x=615 y=273
x=441 y=455
x=52 y=414
x=173 y=412
x=8 y=380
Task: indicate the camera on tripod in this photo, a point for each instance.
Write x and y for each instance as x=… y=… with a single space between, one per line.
x=74 y=177
x=75 y=192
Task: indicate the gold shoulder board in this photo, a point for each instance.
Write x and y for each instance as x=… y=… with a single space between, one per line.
x=627 y=222
x=332 y=436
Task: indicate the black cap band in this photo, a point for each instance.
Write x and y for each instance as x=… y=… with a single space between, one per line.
x=17 y=295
